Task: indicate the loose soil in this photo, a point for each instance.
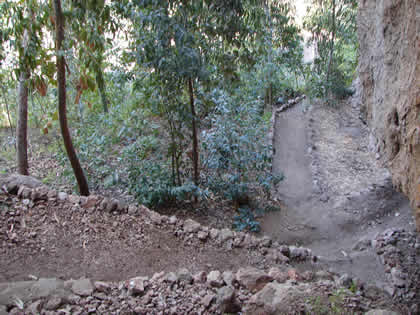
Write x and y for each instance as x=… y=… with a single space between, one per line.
x=335 y=193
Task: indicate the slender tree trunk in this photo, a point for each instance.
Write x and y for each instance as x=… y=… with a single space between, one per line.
x=269 y=89
x=333 y=31
x=22 y=125
x=194 y=134
x=101 y=87
x=61 y=81
x=7 y=110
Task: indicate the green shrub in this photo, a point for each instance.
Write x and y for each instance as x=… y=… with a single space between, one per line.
x=236 y=154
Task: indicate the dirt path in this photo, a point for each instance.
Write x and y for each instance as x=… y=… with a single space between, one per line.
x=334 y=192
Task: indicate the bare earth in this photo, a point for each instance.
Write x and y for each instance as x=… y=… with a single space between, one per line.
x=336 y=195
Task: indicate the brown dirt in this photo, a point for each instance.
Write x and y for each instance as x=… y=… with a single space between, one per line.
x=56 y=239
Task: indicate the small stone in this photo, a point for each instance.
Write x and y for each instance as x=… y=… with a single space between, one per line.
x=111 y=206
x=173 y=220
x=252 y=278
x=207 y=300
x=157 y=276
x=214 y=233
x=293 y=274
x=33 y=308
x=191 y=226
x=82 y=287
x=227 y=301
x=200 y=277
x=122 y=207
x=398 y=278
x=26 y=193
x=104 y=204
x=225 y=234
x=276 y=256
x=285 y=250
x=266 y=242
x=35 y=195
x=362 y=245
x=345 y=281
x=214 y=278
x=74 y=199
x=298 y=253
x=171 y=277
x=89 y=202
x=136 y=286
x=184 y=276
x=278 y=275
x=62 y=196
x=229 y=278
x=54 y=303
x=52 y=194
x=132 y=210
x=155 y=217
x=202 y=235
x=249 y=241
x=101 y=286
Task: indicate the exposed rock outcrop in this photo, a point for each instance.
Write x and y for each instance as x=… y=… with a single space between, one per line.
x=389 y=88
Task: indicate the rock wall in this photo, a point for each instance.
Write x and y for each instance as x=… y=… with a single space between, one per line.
x=389 y=88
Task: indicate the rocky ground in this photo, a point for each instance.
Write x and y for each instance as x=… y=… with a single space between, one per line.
x=52 y=234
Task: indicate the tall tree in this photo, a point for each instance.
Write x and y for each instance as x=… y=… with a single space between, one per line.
x=61 y=82
x=22 y=101
x=22 y=125
x=332 y=24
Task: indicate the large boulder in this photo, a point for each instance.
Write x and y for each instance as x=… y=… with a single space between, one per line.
x=274 y=298
x=252 y=278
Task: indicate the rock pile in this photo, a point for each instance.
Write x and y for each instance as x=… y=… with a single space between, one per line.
x=272 y=288
x=249 y=291
x=399 y=252
x=289 y=104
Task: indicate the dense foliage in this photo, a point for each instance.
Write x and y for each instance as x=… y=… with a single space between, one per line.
x=172 y=99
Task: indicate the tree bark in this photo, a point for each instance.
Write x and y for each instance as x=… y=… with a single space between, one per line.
x=22 y=125
x=194 y=134
x=61 y=81
x=8 y=110
x=101 y=87
x=333 y=31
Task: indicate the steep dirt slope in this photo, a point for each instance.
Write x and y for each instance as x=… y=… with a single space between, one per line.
x=337 y=197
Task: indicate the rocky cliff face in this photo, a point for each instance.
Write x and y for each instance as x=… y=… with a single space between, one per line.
x=389 y=88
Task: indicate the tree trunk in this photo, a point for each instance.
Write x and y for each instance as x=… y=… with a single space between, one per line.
x=22 y=125
x=101 y=87
x=333 y=31
x=194 y=134
x=61 y=81
x=6 y=103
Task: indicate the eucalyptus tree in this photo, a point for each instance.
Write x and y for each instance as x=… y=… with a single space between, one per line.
x=332 y=25
x=175 y=40
x=23 y=29
x=61 y=83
